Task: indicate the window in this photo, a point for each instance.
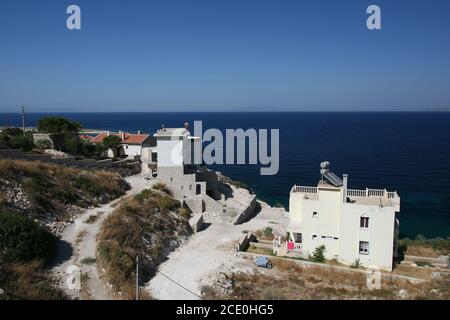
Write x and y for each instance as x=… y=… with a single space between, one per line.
x=364 y=222
x=314 y=214
x=364 y=247
x=314 y=236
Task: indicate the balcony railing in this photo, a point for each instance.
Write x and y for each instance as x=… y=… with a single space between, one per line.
x=303 y=189
x=393 y=197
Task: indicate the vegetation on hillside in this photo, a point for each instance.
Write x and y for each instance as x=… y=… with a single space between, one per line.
x=422 y=246
x=149 y=226
x=13 y=138
x=25 y=248
x=51 y=188
x=21 y=239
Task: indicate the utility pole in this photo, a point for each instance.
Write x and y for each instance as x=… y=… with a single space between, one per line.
x=137 y=277
x=23 y=120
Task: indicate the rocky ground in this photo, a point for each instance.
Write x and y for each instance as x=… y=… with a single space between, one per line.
x=210 y=254
x=78 y=245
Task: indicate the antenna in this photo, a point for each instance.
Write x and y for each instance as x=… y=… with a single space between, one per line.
x=23 y=120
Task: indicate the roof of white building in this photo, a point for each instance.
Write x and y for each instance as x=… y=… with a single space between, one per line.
x=164 y=132
x=377 y=197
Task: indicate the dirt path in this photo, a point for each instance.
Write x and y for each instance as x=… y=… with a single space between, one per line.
x=206 y=253
x=78 y=247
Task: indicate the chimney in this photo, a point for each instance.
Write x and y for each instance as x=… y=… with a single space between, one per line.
x=139 y=132
x=108 y=133
x=123 y=135
x=186 y=126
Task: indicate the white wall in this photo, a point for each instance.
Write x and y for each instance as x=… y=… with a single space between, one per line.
x=380 y=235
x=170 y=153
x=132 y=150
x=336 y=219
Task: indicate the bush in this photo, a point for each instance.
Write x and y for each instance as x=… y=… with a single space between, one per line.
x=356 y=264
x=268 y=232
x=13 y=132
x=27 y=281
x=22 y=239
x=318 y=255
x=162 y=187
x=21 y=142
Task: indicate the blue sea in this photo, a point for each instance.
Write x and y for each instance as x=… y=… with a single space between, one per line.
x=406 y=152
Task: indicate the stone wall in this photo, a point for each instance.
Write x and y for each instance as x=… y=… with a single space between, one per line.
x=196 y=222
x=246 y=213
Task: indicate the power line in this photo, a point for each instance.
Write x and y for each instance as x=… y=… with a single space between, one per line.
x=180 y=285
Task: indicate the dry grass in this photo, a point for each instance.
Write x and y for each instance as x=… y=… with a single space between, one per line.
x=52 y=188
x=289 y=280
x=91 y=219
x=422 y=251
x=145 y=225
x=80 y=236
x=260 y=250
x=27 y=281
x=265 y=234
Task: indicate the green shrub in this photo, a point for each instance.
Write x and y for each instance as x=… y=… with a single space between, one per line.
x=318 y=255
x=268 y=232
x=12 y=131
x=356 y=264
x=21 y=142
x=22 y=239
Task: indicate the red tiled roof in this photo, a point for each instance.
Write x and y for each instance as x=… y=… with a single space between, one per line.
x=85 y=137
x=130 y=138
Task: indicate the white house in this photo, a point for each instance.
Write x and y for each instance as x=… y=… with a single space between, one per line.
x=178 y=164
x=131 y=144
x=351 y=224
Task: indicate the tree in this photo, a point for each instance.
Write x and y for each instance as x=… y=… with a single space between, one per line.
x=112 y=142
x=318 y=255
x=58 y=125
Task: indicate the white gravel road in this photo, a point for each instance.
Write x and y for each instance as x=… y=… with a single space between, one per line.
x=79 y=242
x=206 y=253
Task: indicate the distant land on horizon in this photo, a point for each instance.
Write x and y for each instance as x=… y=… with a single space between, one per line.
x=238 y=110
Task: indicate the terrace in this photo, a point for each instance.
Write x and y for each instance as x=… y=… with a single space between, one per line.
x=380 y=197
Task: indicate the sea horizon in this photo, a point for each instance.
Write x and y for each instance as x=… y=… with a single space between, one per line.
x=377 y=149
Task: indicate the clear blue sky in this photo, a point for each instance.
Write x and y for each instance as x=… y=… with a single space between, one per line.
x=216 y=55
